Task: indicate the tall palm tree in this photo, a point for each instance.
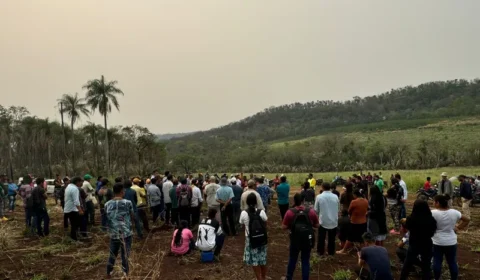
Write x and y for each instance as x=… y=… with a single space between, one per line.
x=101 y=94
x=91 y=130
x=61 y=111
x=74 y=107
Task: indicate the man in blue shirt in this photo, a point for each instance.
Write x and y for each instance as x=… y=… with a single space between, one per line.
x=283 y=192
x=131 y=195
x=264 y=192
x=326 y=206
x=237 y=192
x=224 y=196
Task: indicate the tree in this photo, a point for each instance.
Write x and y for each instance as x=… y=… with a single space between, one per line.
x=101 y=94
x=61 y=111
x=74 y=107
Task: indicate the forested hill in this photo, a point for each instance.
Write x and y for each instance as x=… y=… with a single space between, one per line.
x=426 y=101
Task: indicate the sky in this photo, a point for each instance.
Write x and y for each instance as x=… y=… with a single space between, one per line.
x=194 y=65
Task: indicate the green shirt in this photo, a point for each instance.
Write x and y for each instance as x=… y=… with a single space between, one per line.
x=379 y=184
x=173 y=197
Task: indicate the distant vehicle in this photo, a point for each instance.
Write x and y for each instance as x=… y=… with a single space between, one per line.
x=338 y=181
x=427 y=195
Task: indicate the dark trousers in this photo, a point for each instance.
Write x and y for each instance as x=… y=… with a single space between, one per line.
x=90 y=213
x=168 y=211
x=401 y=254
x=219 y=240
x=65 y=221
x=104 y=219
x=283 y=209
x=138 y=225
x=143 y=216
x=122 y=245
x=403 y=211
x=322 y=233
x=411 y=259
x=184 y=213
x=175 y=220
x=195 y=215
x=227 y=215
x=236 y=213
x=292 y=262
x=74 y=219
x=83 y=224
x=28 y=218
x=156 y=211
x=450 y=253
x=42 y=216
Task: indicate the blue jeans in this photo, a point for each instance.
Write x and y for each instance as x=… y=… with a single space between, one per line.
x=292 y=262
x=403 y=211
x=450 y=253
x=122 y=245
x=11 y=200
x=41 y=215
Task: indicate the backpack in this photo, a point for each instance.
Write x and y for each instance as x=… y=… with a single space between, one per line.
x=184 y=199
x=257 y=230
x=302 y=234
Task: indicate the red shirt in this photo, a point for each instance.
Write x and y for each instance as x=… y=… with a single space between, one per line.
x=427 y=186
x=290 y=216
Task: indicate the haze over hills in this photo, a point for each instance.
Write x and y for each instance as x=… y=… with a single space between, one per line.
x=249 y=141
x=169 y=136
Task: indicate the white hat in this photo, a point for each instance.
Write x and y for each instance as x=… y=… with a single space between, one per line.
x=233 y=180
x=444 y=174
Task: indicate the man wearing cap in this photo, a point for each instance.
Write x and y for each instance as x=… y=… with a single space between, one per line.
x=445 y=186
x=90 y=191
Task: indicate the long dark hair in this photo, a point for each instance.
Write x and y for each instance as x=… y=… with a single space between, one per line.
x=252 y=203
x=348 y=194
x=178 y=236
x=422 y=218
x=442 y=200
x=376 y=198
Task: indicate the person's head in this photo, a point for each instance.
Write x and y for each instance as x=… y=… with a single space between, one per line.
x=441 y=201
x=178 y=236
x=349 y=188
x=251 y=175
x=326 y=186
x=297 y=199
x=429 y=179
x=153 y=181
x=376 y=177
x=260 y=180
x=27 y=180
x=183 y=181
x=251 y=184
x=398 y=177
x=461 y=178
x=39 y=181
x=375 y=192
x=195 y=182
x=99 y=178
x=252 y=202
x=369 y=173
x=212 y=179
x=223 y=181
x=444 y=176
x=127 y=184
x=118 y=190
x=233 y=181
x=167 y=173
x=394 y=181
x=368 y=239
x=66 y=181
x=169 y=177
x=104 y=182
x=77 y=181
x=136 y=181
x=175 y=181
x=421 y=209
x=87 y=177
x=118 y=180
x=212 y=212
x=155 y=173
x=310 y=176
x=306 y=185
x=283 y=179
x=57 y=176
x=358 y=193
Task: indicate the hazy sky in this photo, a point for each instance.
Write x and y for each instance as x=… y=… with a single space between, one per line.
x=194 y=65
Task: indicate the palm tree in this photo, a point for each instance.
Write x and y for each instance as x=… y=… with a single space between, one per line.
x=74 y=107
x=45 y=128
x=91 y=130
x=101 y=94
x=61 y=111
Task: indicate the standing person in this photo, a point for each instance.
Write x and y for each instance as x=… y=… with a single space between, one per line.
x=377 y=219
x=141 y=202
x=131 y=195
x=394 y=201
x=326 y=207
x=98 y=184
x=308 y=195
x=255 y=222
x=210 y=236
x=224 y=196
x=378 y=182
x=120 y=216
x=196 y=204
x=403 y=210
x=104 y=195
x=90 y=191
x=377 y=260
x=276 y=182
x=61 y=194
x=174 y=199
x=40 y=208
x=466 y=194
x=264 y=192
x=347 y=196
x=25 y=193
x=445 y=238
x=12 y=194
x=421 y=226
x=57 y=188
x=210 y=192
x=445 y=186
x=155 y=199
x=251 y=188
x=300 y=221
x=358 y=220
x=283 y=194
x=72 y=209
x=184 y=195
x=311 y=181
x=343 y=227
x=236 y=201
x=167 y=185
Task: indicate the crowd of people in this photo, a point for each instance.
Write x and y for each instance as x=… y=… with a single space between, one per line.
x=356 y=217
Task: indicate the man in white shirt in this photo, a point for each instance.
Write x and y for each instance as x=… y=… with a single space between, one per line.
x=167 y=185
x=211 y=192
x=251 y=185
x=196 y=203
x=403 y=210
x=90 y=191
x=326 y=206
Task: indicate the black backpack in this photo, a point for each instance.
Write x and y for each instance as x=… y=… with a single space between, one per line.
x=184 y=198
x=257 y=230
x=302 y=235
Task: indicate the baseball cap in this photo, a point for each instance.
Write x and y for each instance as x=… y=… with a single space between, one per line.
x=87 y=177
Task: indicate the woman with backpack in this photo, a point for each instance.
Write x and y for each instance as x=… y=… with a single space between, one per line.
x=377 y=219
x=182 y=242
x=358 y=220
x=308 y=195
x=255 y=222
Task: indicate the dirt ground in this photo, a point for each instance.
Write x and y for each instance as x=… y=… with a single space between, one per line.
x=56 y=257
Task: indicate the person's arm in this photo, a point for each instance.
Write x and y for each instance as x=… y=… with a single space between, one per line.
x=317 y=205
x=43 y=193
x=361 y=261
x=464 y=220
x=76 y=200
x=314 y=219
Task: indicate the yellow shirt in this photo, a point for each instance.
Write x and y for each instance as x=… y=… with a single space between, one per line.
x=140 y=195
x=312 y=183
